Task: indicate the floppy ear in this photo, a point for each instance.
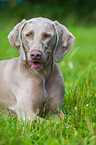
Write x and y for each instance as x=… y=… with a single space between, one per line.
x=65 y=41
x=13 y=36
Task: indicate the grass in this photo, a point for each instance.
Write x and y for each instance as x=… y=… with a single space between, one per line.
x=79 y=71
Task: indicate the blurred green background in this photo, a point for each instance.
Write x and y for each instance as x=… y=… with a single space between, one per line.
x=70 y=11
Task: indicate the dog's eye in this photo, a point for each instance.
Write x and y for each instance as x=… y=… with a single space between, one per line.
x=46 y=36
x=29 y=35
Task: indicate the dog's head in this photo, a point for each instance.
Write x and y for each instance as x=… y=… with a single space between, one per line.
x=40 y=40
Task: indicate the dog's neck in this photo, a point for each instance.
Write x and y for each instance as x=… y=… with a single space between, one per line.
x=31 y=72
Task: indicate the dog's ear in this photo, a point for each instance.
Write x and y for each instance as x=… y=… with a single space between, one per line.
x=14 y=35
x=65 y=41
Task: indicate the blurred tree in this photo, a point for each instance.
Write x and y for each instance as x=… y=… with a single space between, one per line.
x=74 y=9
x=10 y=3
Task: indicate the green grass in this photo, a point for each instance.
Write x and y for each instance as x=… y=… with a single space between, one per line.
x=79 y=71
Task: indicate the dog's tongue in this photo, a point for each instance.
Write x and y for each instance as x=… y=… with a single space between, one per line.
x=35 y=64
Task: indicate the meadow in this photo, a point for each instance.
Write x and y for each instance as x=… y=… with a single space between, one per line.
x=79 y=71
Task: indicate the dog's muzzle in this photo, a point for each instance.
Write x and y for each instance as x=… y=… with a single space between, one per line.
x=37 y=59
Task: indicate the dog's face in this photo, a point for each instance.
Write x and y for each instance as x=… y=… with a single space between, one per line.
x=40 y=41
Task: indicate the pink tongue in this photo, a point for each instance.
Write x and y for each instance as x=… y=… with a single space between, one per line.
x=35 y=65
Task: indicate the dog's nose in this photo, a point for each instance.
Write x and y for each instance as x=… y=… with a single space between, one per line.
x=36 y=55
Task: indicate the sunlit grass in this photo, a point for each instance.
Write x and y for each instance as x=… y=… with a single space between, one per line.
x=79 y=72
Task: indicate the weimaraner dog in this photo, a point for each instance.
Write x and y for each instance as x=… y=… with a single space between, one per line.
x=33 y=81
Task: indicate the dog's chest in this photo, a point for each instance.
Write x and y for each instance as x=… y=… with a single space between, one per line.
x=32 y=88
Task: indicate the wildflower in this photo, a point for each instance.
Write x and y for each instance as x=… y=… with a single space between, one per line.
x=75 y=108
x=87 y=105
x=70 y=64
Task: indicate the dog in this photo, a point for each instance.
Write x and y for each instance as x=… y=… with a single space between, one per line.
x=33 y=81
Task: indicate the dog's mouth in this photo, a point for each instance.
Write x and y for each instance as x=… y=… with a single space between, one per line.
x=38 y=64
x=35 y=64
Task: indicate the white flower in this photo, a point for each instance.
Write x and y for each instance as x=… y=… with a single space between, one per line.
x=70 y=64
x=87 y=105
x=75 y=108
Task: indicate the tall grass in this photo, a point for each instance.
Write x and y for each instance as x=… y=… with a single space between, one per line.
x=79 y=72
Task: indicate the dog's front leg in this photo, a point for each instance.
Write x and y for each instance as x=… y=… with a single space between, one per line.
x=55 y=88
x=30 y=100
x=25 y=107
